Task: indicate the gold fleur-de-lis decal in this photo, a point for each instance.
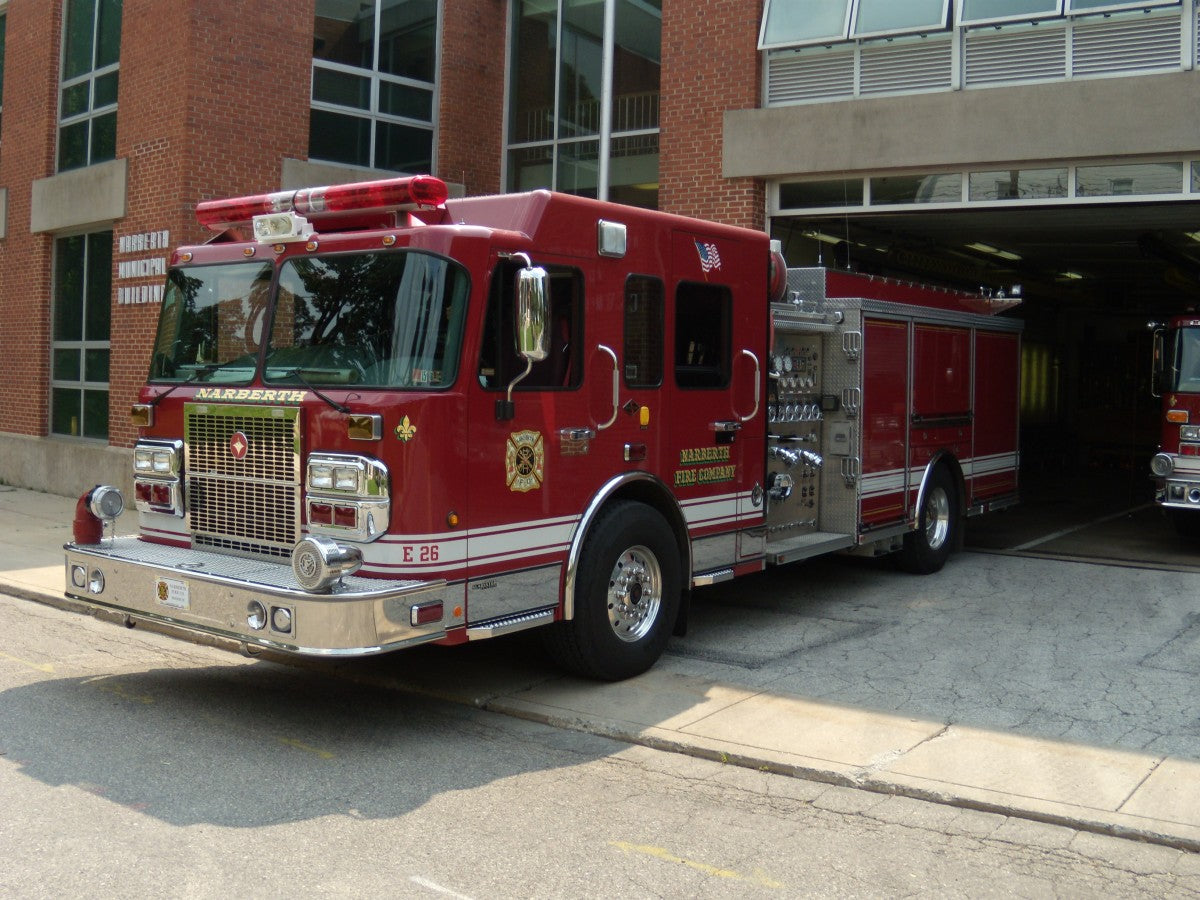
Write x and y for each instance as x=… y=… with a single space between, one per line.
x=406 y=430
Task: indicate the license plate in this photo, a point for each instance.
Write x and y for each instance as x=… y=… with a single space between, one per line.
x=173 y=593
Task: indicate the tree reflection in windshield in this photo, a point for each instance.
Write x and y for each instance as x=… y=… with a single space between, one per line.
x=211 y=323
x=385 y=319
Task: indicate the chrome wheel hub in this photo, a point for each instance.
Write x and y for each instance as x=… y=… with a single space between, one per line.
x=937 y=517
x=634 y=594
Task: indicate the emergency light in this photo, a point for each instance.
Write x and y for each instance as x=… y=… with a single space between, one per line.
x=388 y=195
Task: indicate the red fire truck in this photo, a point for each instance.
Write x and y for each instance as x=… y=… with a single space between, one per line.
x=1176 y=380
x=378 y=417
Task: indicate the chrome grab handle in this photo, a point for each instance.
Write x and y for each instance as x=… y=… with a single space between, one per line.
x=757 y=386
x=616 y=381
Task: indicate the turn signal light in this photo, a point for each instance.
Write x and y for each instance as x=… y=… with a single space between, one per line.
x=1178 y=416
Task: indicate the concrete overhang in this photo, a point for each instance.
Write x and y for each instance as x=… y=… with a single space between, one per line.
x=79 y=197
x=1142 y=116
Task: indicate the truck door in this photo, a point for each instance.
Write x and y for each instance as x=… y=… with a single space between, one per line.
x=528 y=474
x=715 y=429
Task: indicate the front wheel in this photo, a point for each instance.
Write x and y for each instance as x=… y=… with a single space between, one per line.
x=626 y=596
x=927 y=548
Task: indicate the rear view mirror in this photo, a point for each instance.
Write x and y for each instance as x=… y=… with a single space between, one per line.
x=533 y=339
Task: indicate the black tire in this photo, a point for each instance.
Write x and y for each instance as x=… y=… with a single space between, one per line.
x=928 y=547
x=626 y=596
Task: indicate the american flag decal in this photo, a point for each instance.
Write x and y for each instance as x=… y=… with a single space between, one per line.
x=709 y=257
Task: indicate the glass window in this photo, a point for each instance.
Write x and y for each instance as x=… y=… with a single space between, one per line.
x=804 y=22
x=338 y=138
x=499 y=363
x=386 y=319
x=1018 y=184
x=633 y=170
x=1182 y=364
x=374 y=74
x=807 y=194
x=88 y=97
x=703 y=315
x=581 y=71
x=898 y=16
x=1196 y=177
x=556 y=113
x=211 y=323
x=579 y=168
x=1076 y=6
x=1115 y=181
x=644 y=327
x=944 y=187
x=79 y=352
x=973 y=12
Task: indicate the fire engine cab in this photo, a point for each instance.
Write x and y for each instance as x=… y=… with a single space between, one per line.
x=378 y=417
x=1176 y=382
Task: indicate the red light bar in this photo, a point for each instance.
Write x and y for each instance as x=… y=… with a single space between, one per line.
x=392 y=194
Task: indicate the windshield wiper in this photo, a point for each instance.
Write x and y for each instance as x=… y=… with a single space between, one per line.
x=191 y=379
x=295 y=372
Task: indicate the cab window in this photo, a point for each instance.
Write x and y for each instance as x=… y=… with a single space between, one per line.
x=643 y=331
x=499 y=363
x=703 y=316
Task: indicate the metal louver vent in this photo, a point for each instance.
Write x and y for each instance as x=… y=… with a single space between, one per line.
x=1136 y=45
x=805 y=77
x=993 y=58
x=906 y=68
x=243 y=478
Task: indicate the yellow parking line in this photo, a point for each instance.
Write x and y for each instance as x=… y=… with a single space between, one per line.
x=300 y=745
x=37 y=667
x=713 y=871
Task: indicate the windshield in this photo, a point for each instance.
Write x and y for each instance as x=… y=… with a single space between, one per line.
x=381 y=319
x=1183 y=360
x=211 y=323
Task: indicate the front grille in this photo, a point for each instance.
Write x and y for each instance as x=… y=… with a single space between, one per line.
x=248 y=506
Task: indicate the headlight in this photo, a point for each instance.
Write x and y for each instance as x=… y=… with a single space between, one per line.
x=1189 y=432
x=348 y=496
x=1162 y=465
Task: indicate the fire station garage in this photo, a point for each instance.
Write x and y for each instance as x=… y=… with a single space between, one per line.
x=1049 y=157
x=1089 y=281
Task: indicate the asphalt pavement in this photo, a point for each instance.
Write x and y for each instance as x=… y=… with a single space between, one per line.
x=1058 y=692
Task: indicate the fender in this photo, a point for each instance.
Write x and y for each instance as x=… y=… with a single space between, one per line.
x=637 y=486
x=960 y=486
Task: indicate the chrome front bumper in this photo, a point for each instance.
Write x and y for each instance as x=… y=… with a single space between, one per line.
x=213 y=594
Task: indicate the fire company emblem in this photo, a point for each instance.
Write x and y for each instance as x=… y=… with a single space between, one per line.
x=524 y=460
x=239 y=445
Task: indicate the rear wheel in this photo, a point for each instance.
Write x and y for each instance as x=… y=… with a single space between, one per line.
x=626 y=596
x=927 y=549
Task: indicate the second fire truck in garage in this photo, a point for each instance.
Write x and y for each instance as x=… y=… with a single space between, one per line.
x=378 y=417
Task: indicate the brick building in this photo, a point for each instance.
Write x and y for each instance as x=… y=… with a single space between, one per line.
x=939 y=139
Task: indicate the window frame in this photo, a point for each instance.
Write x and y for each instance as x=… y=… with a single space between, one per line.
x=824 y=39
x=939 y=25
x=1116 y=6
x=373 y=113
x=497 y=340
x=82 y=385
x=91 y=113
x=660 y=297
x=722 y=294
x=960 y=21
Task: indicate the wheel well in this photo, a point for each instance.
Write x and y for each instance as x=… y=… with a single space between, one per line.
x=638 y=487
x=948 y=461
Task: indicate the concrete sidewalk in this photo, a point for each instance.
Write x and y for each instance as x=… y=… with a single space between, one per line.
x=1147 y=797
